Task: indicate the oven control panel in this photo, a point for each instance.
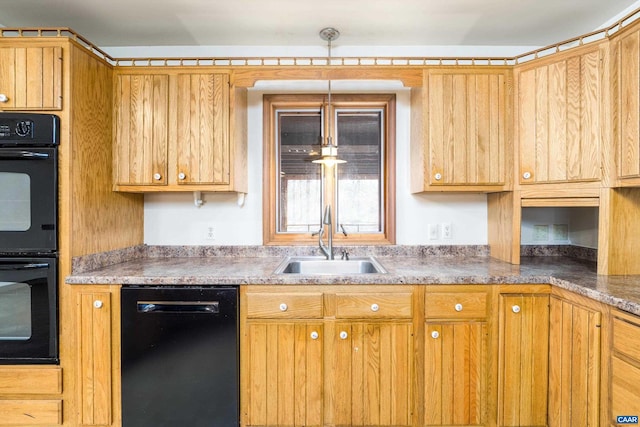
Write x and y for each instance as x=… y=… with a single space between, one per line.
x=29 y=129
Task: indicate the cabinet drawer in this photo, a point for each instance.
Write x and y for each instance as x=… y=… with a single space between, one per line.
x=27 y=380
x=625 y=388
x=31 y=412
x=626 y=338
x=455 y=305
x=284 y=305
x=374 y=305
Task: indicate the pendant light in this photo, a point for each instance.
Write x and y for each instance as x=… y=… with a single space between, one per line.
x=329 y=151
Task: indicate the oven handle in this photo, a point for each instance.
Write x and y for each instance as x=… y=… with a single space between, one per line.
x=22 y=155
x=34 y=266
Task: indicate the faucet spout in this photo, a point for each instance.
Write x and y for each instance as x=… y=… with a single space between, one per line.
x=327 y=249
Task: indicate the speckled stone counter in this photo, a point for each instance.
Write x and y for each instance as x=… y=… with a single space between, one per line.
x=409 y=265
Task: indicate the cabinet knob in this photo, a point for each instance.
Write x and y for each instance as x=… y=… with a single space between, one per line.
x=515 y=309
x=375 y=307
x=458 y=307
x=283 y=307
x=526 y=175
x=435 y=334
x=157 y=176
x=438 y=176
x=3 y=97
x=343 y=335
x=98 y=304
x=314 y=335
x=181 y=176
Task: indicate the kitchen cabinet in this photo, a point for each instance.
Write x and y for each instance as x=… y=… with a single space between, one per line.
x=574 y=363
x=36 y=408
x=625 y=365
x=460 y=128
x=284 y=338
x=456 y=360
x=178 y=130
x=373 y=358
x=625 y=76
x=560 y=108
x=523 y=359
x=326 y=356
x=31 y=77
x=94 y=353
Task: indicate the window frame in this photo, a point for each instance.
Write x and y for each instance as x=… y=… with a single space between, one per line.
x=274 y=102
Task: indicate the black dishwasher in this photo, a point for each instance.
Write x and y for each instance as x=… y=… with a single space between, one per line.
x=179 y=356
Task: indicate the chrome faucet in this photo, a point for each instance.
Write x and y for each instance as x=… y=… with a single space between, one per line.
x=327 y=250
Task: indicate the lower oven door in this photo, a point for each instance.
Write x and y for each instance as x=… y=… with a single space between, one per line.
x=28 y=311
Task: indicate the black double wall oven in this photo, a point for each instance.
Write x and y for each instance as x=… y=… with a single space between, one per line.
x=28 y=238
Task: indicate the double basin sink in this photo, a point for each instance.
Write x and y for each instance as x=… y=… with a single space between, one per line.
x=321 y=265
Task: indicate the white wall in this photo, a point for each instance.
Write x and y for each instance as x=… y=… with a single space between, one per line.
x=581 y=226
x=173 y=219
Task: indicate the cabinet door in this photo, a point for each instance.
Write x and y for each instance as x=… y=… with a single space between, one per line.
x=455 y=374
x=574 y=365
x=285 y=374
x=31 y=78
x=523 y=360
x=466 y=127
x=203 y=129
x=625 y=66
x=94 y=356
x=141 y=129
x=373 y=366
x=559 y=119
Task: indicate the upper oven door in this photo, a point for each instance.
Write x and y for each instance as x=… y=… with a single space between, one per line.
x=28 y=199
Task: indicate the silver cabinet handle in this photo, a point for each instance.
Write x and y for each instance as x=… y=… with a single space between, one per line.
x=157 y=176
x=284 y=307
x=375 y=307
x=515 y=309
x=458 y=307
x=98 y=304
x=3 y=97
x=314 y=335
x=435 y=334
x=343 y=335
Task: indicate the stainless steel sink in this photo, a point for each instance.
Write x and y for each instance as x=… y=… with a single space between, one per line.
x=320 y=265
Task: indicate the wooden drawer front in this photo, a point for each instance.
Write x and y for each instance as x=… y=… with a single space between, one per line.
x=626 y=338
x=284 y=305
x=31 y=412
x=23 y=380
x=625 y=388
x=456 y=305
x=374 y=305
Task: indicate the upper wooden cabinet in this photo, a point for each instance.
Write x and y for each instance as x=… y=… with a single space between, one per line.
x=625 y=76
x=460 y=128
x=560 y=107
x=31 y=78
x=178 y=130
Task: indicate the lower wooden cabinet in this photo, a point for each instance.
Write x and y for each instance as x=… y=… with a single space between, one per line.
x=625 y=366
x=373 y=365
x=284 y=374
x=574 y=364
x=94 y=353
x=523 y=360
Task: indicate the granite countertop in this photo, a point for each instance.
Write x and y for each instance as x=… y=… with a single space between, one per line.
x=162 y=266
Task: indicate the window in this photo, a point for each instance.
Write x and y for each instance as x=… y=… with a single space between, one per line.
x=361 y=191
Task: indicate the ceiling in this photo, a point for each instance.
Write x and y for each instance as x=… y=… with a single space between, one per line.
x=297 y=22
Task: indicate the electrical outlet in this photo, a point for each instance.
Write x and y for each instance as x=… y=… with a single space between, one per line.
x=446 y=230
x=433 y=231
x=541 y=233
x=209 y=234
